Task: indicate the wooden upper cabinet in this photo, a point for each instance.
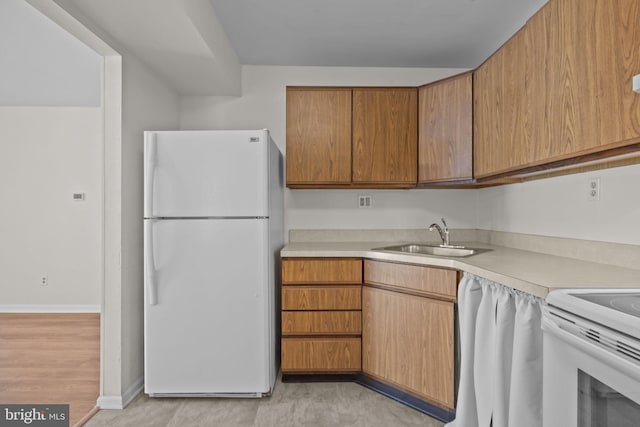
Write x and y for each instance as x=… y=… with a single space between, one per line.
x=540 y=78
x=385 y=136
x=559 y=91
x=515 y=121
x=487 y=116
x=445 y=130
x=318 y=136
x=594 y=101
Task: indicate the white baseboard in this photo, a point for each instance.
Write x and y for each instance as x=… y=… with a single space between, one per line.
x=110 y=402
x=121 y=402
x=49 y=308
x=133 y=391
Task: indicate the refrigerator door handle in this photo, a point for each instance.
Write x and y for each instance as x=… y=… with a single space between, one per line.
x=149 y=263
x=149 y=172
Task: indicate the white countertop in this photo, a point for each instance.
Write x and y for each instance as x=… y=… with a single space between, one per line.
x=531 y=272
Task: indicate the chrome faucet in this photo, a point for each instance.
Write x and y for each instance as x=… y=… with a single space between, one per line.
x=444 y=233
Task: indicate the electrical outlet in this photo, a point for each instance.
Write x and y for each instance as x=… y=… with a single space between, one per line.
x=365 y=201
x=44 y=280
x=594 y=189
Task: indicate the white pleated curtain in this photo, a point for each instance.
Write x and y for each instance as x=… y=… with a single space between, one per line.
x=501 y=356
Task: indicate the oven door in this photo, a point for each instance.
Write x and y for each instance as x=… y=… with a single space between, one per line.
x=591 y=374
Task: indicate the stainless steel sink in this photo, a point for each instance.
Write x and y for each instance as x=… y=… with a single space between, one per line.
x=422 y=249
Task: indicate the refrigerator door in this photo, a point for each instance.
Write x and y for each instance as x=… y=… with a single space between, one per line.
x=207 y=331
x=206 y=173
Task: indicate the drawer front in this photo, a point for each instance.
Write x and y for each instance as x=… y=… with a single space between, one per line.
x=321 y=323
x=424 y=280
x=301 y=271
x=321 y=297
x=321 y=355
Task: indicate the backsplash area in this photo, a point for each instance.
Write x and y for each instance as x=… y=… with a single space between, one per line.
x=561 y=207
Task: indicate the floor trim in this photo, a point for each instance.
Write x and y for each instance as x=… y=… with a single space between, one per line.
x=87 y=417
x=49 y=308
x=121 y=402
x=441 y=414
x=110 y=402
x=133 y=391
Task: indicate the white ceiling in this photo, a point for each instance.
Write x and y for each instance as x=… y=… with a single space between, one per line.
x=180 y=40
x=197 y=46
x=371 y=33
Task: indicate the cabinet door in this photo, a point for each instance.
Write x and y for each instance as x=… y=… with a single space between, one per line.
x=445 y=130
x=539 y=33
x=318 y=136
x=516 y=97
x=487 y=117
x=385 y=136
x=407 y=342
x=595 y=105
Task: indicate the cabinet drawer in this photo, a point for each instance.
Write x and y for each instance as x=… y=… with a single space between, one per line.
x=430 y=281
x=321 y=297
x=321 y=354
x=301 y=271
x=321 y=322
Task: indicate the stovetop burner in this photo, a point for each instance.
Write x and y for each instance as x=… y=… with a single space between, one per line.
x=626 y=303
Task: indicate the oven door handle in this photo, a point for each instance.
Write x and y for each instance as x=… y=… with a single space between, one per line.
x=591 y=347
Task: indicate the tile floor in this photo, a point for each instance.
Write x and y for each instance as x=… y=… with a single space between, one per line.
x=291 y=405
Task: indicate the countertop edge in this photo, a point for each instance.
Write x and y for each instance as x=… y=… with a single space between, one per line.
x=530 y=272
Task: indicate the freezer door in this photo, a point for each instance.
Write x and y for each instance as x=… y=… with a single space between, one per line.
x=206 y=174
x=207 y=328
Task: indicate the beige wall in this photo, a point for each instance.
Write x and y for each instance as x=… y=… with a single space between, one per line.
x=559 y=207
x=46 y=155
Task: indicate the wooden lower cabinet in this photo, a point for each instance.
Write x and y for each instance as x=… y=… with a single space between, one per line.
x=397 y=329
x=321 y=315
x=408 y=343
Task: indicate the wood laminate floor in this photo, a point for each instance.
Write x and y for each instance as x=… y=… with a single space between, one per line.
x=291 y=405
x=48 y=358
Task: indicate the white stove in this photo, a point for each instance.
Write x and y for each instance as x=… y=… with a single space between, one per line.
x=617 y=309
x=592 y=358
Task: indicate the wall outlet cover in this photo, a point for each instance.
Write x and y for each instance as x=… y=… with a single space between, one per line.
x=365 y=201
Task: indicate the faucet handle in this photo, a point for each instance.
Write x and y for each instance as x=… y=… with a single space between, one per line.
x=444 y=222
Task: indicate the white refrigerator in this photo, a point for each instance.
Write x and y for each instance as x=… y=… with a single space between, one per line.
x=213 y=230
